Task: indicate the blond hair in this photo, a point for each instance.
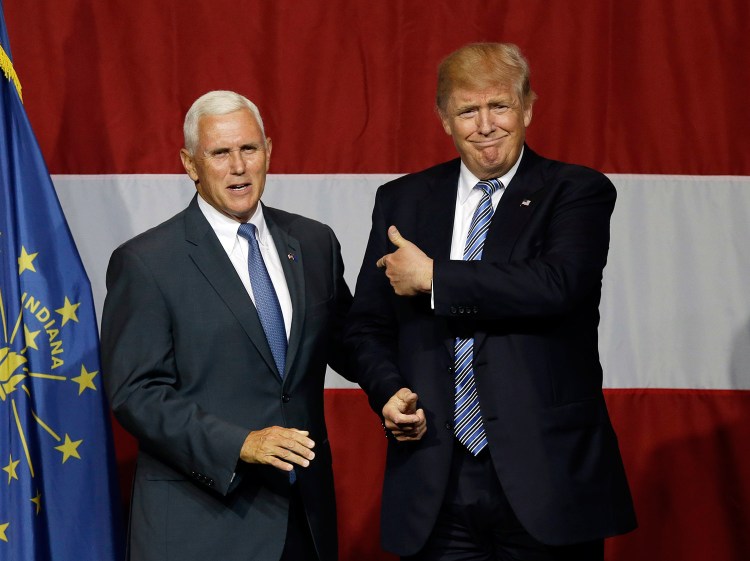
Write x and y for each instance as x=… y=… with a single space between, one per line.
x=480 y=65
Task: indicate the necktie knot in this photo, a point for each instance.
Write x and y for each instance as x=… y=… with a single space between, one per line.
x=247 y=230
x=489 y=186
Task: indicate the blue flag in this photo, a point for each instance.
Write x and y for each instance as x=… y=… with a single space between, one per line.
x=59 y=498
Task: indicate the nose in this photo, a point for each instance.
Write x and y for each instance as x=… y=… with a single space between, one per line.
x=236 y=163
x=485 y=125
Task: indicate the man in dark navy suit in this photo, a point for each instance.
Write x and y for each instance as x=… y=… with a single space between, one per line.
x=474 y=334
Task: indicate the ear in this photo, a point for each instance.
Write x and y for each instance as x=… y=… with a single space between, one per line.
x=269 y=145
x=189 y=164
x=446 y=122
x=527 y=114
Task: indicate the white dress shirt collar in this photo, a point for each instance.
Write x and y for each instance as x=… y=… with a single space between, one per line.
x=467 y=180
x=226 y=228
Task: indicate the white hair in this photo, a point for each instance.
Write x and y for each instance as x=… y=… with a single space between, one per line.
x=218 y=102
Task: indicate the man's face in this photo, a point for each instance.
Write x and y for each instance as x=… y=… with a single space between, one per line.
x=488 y=127
x=230 y=163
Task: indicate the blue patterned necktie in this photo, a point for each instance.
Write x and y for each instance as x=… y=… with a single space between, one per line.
x=266 y=301
x=468 y=427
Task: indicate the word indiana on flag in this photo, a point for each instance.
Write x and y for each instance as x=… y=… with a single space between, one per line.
x=58 y=492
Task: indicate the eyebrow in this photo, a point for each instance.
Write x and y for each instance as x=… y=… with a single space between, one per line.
x=225 y=149
x=465 y=107
x=501 y=100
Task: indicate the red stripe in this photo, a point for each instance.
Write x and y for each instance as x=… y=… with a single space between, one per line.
x=687 y=458
x=348 y=87
x=686 y=454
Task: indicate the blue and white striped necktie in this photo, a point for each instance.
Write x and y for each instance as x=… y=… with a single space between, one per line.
x=468 y=425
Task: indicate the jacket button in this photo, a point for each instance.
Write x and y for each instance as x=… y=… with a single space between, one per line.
x=476 y=310
x=285 y=398
x=449 y=425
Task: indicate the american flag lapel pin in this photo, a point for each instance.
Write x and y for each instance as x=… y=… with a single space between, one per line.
x=525 y=202
x=291 y=256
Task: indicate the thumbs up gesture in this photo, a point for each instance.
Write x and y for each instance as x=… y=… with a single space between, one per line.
x=408 y=268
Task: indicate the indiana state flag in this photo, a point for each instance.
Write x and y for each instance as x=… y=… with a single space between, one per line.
x=58 y=491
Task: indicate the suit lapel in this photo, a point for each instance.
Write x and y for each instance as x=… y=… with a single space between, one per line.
x=290 y=253
x=212 y=261
x=435 y=217
x=514 y=209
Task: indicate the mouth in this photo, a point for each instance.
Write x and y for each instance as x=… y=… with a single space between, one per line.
x=239 y=187
x=487 y=143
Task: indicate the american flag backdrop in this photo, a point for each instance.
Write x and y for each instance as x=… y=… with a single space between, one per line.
x=655 y=94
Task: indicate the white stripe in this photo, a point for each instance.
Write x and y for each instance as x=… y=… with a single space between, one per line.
x=675 y=307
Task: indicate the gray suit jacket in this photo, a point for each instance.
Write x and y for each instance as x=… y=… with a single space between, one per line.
x=189 y=373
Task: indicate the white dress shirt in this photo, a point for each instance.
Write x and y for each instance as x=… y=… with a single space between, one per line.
x=237 y=249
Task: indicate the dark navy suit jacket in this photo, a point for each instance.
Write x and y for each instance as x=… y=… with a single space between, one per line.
x=531 y=304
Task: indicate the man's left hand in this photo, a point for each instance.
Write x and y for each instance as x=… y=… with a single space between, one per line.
x=408 y=268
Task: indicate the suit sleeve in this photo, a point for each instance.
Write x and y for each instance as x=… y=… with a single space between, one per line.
x=142 y=382
x=371 y=333
x=557 y=266
x=342 y=303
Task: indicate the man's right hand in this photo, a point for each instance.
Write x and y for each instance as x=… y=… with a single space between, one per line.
x=402 y=418
x=279 y=447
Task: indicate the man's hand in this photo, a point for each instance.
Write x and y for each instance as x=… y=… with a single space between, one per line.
x=279 y=447
x=402 y=417
x=408 y=268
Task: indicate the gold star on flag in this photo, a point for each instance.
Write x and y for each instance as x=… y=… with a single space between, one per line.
x=26 y=261
x=37 y=501
x=11 y=469
x=4 y=527
x=30 y=337
x=68 y=311
x=85 y=380
x=69 y=448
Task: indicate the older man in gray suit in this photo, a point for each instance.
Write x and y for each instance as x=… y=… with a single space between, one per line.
x=217 y=329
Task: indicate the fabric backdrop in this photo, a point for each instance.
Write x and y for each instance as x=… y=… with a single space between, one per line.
x=655 y=94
